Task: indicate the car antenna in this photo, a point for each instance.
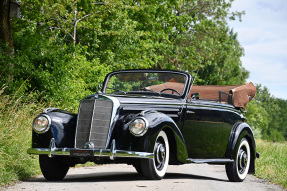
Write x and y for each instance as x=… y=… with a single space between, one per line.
x=194 y=78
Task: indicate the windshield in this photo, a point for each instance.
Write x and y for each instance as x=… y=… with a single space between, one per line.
x=147 y=83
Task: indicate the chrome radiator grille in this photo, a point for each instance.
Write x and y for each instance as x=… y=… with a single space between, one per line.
x=94 y=122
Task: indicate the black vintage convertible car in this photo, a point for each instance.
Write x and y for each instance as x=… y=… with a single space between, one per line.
x=149 y=119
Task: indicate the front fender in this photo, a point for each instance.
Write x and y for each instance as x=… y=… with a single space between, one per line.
x=159 y=121
x=62 y=129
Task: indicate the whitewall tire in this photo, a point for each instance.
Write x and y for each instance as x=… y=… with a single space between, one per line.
x=155 y=169
x=237 y=172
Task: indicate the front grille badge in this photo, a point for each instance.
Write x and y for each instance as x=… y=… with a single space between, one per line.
x=89 y=145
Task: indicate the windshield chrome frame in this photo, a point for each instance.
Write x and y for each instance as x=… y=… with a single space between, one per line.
x=183 y=95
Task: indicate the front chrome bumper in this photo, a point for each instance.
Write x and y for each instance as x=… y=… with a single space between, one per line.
x=112 y=152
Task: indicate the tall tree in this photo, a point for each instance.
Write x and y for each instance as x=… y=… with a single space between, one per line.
x=56 y=39
x=268 y=114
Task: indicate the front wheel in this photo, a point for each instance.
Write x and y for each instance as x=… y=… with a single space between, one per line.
x=137 y=166
x=54 y=168
x=155 y=169
x=237 y=172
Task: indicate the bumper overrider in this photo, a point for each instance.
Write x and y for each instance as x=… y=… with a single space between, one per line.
x=75 y=152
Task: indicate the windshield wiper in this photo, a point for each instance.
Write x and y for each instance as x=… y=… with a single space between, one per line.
x=150 y=90
x=119 y=91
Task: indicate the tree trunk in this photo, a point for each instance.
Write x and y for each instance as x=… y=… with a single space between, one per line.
x=6 y=37
x=5 y=30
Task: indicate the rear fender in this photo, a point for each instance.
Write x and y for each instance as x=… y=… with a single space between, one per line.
x=239 y=131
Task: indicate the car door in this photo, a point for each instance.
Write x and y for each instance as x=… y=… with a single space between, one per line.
x=204 y=132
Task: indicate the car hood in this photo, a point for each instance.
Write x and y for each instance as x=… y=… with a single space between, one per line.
x=146 y=100
x=139 y=99
x=126 y=99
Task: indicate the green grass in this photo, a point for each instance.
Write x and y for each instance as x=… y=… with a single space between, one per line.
x=16 y=116
x=272 y=164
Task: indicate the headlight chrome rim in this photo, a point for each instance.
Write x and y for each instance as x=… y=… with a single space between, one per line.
x=44 y=129
x=143 y=131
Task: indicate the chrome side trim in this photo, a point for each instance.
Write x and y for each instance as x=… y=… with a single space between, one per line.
x=112 y=152
x=214 y=161
x=152 y=103
x=141 y=109
x=213 y=107
x=172 y=115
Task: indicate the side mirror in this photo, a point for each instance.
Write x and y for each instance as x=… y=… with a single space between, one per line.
x=195 y=96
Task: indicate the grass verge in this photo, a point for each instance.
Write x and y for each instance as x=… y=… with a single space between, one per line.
x=272 y=164
x=16 y=116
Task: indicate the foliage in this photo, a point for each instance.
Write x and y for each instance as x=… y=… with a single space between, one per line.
x=272 y=164
x=62 y=47
x=267 y=115
x=257 y=118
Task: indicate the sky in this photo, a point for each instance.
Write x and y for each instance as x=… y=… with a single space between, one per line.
x=263 y=35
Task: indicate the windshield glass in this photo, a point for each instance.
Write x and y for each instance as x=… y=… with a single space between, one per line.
x=147 y=82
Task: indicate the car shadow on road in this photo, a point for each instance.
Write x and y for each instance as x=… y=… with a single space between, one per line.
x=122 y=177
x=191 y=176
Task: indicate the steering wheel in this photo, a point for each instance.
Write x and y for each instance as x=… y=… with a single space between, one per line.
x=172 y=90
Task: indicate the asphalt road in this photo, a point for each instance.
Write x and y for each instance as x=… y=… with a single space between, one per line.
x=123 y=178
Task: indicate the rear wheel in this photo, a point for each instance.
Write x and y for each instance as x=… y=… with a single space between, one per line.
x=53 y=168
x=155 y=169
x=237 y=172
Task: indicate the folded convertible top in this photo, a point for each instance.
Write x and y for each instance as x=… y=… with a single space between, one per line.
x=241 y=94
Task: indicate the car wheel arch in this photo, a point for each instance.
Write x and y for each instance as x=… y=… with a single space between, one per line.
x=175 y=137
x=240 y=131
x=172 y=146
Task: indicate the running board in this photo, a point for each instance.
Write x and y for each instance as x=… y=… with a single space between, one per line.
x=211 y=161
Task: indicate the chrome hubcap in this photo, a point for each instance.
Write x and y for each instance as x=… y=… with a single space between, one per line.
x=242 y=161
x=160 y=154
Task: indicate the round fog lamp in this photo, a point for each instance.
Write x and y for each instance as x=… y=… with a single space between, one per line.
x=138 y=126
x=41 y=124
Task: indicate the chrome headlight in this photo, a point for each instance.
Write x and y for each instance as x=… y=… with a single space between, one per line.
x=41 y=123
x=138 y=126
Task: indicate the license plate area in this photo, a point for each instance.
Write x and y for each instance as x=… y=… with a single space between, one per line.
x=82 y=153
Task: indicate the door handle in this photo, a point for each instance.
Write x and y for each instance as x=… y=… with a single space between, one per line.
x=190 y=112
